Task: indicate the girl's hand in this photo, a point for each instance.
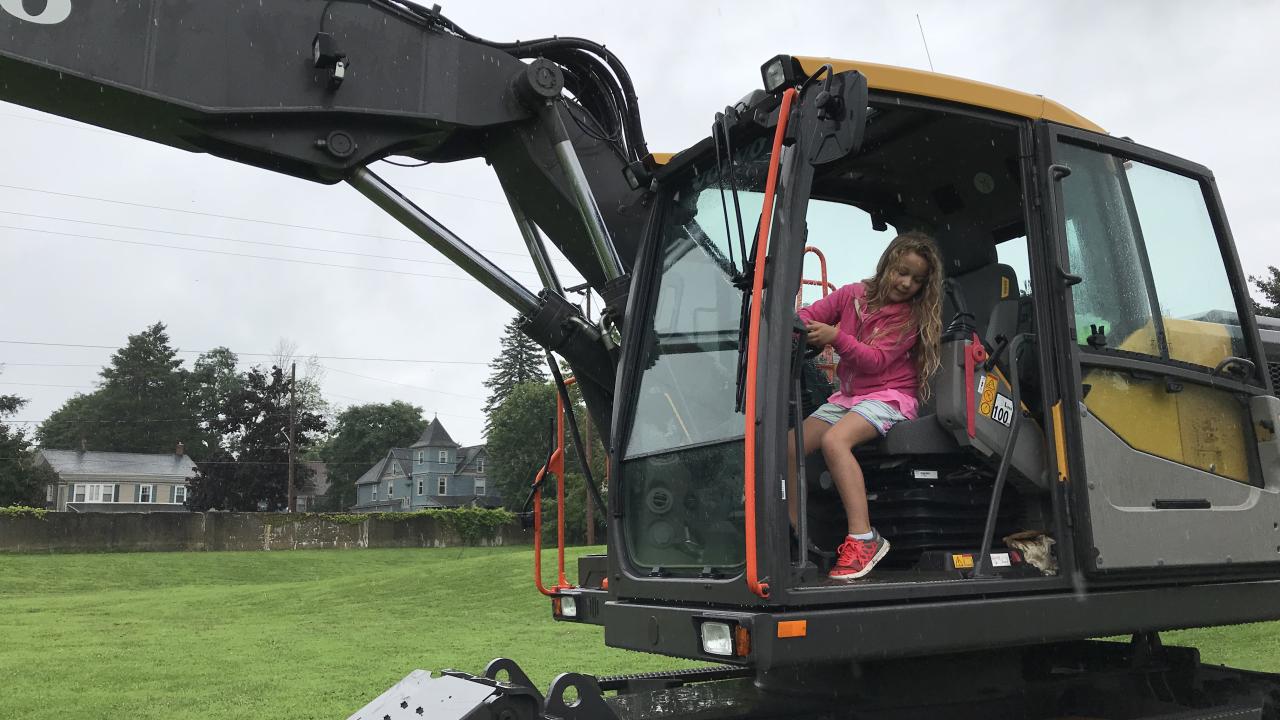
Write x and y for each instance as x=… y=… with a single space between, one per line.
x=820 y=335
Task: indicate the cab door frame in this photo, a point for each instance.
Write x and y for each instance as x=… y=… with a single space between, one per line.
x=1073 y=452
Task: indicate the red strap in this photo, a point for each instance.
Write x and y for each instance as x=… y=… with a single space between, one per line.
x=974 y=355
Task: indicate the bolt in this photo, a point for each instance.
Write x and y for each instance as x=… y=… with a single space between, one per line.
x=544 y=77
x=339 y=144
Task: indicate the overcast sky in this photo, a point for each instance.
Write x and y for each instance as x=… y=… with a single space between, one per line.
x=1194 y=79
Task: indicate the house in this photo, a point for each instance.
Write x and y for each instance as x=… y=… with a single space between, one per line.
x=93 y=481
x=434 y=472
x=310 y=498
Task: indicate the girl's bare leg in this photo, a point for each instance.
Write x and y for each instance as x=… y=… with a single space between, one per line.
x=814 y=430
x=837 y=448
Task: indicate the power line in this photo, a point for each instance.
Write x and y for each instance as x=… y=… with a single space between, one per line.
x=249 y=354
x=4 y=363
x=236 y=240
x=239 y=255
x=5 y=382
x=394 y=382
x=240 y=219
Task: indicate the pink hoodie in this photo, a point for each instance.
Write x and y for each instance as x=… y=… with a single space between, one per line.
x=875 y=349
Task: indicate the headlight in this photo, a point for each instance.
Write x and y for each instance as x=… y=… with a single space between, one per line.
x=717 y=638
x=568 y=607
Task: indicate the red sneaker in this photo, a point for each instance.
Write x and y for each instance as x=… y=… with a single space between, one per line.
x=857 y=557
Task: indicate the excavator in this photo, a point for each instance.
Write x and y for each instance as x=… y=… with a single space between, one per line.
x=1098 y=458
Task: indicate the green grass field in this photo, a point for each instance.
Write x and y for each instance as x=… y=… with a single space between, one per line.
x=309 y=634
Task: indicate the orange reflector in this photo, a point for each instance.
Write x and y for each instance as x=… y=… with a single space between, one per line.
x=604 y=584
x=741 y=641
x=555 y=606
x=793 y=628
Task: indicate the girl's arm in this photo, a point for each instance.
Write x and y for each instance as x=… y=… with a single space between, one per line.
x=874 y=356
x=827 y=310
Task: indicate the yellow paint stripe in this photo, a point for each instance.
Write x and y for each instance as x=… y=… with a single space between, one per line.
x=1060 y=442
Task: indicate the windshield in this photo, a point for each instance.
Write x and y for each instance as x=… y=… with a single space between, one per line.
x=683 y=458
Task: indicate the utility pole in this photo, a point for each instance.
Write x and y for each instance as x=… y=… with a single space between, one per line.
x=293 y=383
x=591 y=519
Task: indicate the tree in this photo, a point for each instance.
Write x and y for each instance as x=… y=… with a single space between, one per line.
x=517 y=447
x=520 y=360
x=253 y=473
x=141 y=406
x=1270 y=288
x=362 y=435
x=211 y=384
x=22 y=482
x=519 y=439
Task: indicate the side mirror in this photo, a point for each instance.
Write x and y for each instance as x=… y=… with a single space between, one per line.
x=833 y=116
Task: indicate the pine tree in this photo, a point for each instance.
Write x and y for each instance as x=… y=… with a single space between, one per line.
x=520 y=361
x=141 y=406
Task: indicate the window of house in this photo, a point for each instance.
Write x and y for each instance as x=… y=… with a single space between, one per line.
x=420 y=484
x=146 y=493
x=48 y=493
x=480 y=486
x=179 y=494
x=373 y=492
x=92 y=493
x=391 y=489
x=480 y=465
x=444 y=456
x=422 y=456
x=442 y=486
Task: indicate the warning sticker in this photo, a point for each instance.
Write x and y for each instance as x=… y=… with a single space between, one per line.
x=1002 y=412
x=924 y=474
x=987 y=385
x=962 y=562
x=1000 y=560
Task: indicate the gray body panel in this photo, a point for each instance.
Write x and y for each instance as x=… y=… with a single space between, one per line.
x=1130 y=533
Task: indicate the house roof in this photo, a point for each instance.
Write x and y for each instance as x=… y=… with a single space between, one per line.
x=372 y=474
x=93 y=462
x=403 y=457
x=466 y=455
x=435 y=436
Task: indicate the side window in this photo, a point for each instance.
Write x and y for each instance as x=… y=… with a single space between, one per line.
x=1014 y=254
x=848 y=242
x=1199 y=311
x=1154 y=279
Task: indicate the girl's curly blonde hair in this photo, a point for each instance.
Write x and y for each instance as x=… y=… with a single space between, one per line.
x=926 y=306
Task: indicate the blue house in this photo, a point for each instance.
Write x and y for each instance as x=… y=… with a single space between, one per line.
x=434 y=472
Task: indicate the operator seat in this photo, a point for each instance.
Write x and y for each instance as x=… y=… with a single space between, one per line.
x=990 y=290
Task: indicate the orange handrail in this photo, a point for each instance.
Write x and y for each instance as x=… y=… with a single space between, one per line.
x=753 y=338
x=826 y=360
x=554 y=465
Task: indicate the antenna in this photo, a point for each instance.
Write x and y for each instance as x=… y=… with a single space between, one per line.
x=926 y=42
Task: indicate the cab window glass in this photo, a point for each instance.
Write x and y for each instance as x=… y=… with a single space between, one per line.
x=844 y=236
x=1196 y=303
x=1103 y=249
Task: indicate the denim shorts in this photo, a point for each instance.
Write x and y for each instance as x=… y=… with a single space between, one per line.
x=882 y=416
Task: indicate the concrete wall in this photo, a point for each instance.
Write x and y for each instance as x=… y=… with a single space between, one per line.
x=135 y=532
